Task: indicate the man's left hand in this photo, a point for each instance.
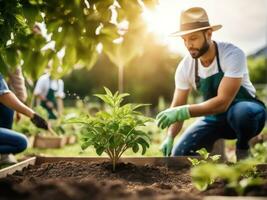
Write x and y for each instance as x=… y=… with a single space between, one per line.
x=172 y=115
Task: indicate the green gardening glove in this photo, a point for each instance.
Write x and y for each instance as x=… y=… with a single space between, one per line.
x=172 y=115
x=166 y=146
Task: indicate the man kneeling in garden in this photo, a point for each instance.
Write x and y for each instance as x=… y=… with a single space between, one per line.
x=218 y=71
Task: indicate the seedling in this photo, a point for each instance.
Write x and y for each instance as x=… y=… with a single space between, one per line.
x=115 y=129
x=238 y=176
x=259 y=152
x=205 y=157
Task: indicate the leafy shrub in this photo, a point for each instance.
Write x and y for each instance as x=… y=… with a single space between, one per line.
x=115 y=129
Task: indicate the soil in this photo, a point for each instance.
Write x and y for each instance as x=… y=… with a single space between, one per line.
x=82 y=180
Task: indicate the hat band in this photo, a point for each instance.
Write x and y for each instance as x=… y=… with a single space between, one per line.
x=194 y=25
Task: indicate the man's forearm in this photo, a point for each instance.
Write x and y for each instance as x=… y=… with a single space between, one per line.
x=212 y=106
x=174 y=129
x=11 y=101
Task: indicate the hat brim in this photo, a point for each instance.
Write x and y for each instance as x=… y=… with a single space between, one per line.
x=181 y=33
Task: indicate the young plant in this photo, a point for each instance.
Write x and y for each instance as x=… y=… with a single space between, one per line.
x=115 y=129
x=205 y=157
x=57 y=127
x=238 y=176
x=259 y=152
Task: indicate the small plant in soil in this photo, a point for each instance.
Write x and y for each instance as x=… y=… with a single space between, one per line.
x=259 y=152
x=205 y=157
x=115 y=129
x=238 y=177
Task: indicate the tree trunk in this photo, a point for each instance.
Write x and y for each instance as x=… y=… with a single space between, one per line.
x=120 y=79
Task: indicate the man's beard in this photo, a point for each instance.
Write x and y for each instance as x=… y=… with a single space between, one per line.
x=199 y=52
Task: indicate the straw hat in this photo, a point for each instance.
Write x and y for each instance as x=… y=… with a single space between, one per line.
x=194 y=19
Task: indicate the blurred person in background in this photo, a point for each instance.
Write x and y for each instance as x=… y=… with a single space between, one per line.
x=49 y=92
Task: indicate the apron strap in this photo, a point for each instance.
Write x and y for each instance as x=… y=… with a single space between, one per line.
x=217 y=57
x=197 y=78
x=49 y=83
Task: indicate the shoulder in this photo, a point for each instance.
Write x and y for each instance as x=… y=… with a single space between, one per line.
x=229 y=50
x=185 y=63
x=43 y=81
x=44 y=77
x=233 y=60
x=185 y=68
x=61 y=82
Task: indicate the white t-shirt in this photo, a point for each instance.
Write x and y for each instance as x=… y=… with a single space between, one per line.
x=42 y=86
x=233 y=64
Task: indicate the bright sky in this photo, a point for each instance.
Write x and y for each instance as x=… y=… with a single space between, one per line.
x=244 y=21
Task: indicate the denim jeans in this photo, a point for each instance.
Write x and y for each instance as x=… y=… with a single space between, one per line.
x=243 y=121
x=10 y=141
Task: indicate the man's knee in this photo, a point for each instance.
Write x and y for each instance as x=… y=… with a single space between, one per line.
x=246 y=117
x=181 y=151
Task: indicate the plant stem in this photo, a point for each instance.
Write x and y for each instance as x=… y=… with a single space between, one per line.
x=109 y=154
x=114 y=160
x=123 y=150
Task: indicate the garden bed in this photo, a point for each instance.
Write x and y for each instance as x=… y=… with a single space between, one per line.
x=45 y=142
x=92 y=178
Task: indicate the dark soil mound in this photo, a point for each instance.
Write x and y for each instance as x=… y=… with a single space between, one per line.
x=83 y=180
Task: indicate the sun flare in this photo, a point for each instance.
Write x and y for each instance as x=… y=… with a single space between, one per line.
x=162 y=21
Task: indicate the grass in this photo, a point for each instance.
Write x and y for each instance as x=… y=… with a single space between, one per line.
x=75 y=150
x=157 y=136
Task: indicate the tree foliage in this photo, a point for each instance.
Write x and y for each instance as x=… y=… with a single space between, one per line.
x=76 y=27
x=258 y=69
x=147 y=77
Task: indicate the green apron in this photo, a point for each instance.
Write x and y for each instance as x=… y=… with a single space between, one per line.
x=52 y=98
x=208 y=88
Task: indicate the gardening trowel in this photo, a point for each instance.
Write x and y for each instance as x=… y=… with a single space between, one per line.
x=50 y=130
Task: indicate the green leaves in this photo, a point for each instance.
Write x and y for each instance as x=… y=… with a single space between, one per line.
x=76 y=26
x=194 y=161
x=115 y=129
x=259 y=152
x=205 y=157
x=238 y=176
x=110 y=99
x=203 y=153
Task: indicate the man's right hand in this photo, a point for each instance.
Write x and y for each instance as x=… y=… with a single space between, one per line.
x=39 y=122
x=166 y=146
